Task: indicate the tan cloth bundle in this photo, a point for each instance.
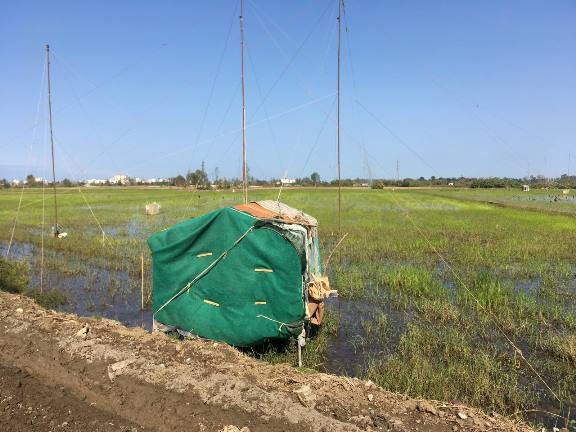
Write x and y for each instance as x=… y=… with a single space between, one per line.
x=319 y=288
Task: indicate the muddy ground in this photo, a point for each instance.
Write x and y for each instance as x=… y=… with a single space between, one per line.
x=59 y=372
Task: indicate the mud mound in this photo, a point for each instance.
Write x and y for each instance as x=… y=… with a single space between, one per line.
x=61 y=372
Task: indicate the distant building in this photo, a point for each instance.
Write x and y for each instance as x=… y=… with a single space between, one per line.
x=450 y=184
x=287 y=181
x=525 y=188
x=95 y=181
x=119 y=179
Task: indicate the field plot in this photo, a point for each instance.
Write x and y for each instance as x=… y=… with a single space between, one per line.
x=548 y=200
x=430 y=282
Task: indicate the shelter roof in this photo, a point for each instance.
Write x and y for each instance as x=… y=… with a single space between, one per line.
x=269 y=209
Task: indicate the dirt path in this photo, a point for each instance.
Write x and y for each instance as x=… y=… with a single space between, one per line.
x=59 y=372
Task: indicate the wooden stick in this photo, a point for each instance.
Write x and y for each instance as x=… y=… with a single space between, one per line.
x=142 y=279
x=299 y=353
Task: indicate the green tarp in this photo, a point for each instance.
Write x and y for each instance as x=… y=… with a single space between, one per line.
x=251 y=294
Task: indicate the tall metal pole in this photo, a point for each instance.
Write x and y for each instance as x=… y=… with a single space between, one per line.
x=338 y=119
x=244 y=168
x=52 y=141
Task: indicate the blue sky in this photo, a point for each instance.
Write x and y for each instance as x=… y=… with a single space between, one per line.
x=151 y=88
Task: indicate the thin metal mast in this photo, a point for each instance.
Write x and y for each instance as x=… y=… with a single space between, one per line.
x=338 y=119
x=244 y=168
x=52 y=141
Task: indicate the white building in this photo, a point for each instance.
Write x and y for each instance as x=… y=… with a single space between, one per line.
x=287 y=181
x=95 y=181
x=119 y=179
x=155 y=180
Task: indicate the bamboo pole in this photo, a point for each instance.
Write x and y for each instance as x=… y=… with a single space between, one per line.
x=338 y=120
x=52 y=141
x=244 y=168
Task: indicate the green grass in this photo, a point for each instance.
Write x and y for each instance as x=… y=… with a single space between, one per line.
x=512 y=264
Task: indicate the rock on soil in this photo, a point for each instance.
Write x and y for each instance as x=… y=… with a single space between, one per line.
x=63 y=373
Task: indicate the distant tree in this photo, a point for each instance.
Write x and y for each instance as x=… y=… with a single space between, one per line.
x=315 y=177
x=66 y=183
x=190 y=177
x=5 y=183
x=202 y=178
x=197 y=178
x=179 y=181
x=30 y=180
x=224 y=184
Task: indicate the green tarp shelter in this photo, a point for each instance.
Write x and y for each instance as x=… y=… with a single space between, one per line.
x=237 y=275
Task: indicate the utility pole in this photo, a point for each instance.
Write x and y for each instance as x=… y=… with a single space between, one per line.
x=52 y=141
x=338 y=118
x=244 y=170
x=397 y=170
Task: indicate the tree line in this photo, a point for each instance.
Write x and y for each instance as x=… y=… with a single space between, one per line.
x=199 y=179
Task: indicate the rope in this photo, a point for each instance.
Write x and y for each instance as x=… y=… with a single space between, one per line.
x=66 y=159
x=162 y=155
x=15 y=221
x=490 y=313
x=301 y=79
x=400 y=140
x=94 y=216
x=103 y=83
x=43 y=219
x=35 y=129
x=216 y=75
x=42 y=240
x=456 y=275
x=294 y=55
x=327 y=116
x=266 y=114
x=332 y=253
x=282 y=324
x=206 y=270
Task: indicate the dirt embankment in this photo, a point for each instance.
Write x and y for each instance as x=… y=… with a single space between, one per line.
x=59 y=372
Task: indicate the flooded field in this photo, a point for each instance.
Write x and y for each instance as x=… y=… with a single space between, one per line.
x=442 y=294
